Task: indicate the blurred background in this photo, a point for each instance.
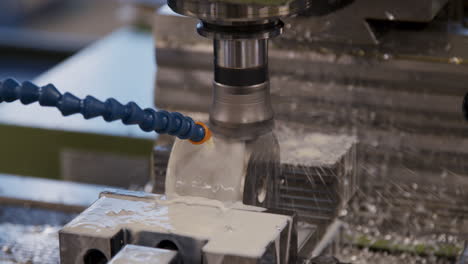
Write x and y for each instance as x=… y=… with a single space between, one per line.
x=37 y=35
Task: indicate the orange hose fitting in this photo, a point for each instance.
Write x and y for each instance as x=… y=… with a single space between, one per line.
x=207 y=134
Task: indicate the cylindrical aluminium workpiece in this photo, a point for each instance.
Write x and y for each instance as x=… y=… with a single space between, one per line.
x=241 y=105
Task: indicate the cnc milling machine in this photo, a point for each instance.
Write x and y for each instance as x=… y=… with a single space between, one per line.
x=352 y=82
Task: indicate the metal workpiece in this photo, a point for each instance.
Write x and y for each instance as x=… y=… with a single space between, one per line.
x=241 y=112
x=247 y=171
x=199 y=230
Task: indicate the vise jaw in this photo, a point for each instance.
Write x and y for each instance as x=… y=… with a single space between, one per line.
x=199 y=230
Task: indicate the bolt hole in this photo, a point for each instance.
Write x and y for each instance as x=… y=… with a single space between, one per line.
x=167 y=244
x=94 y=256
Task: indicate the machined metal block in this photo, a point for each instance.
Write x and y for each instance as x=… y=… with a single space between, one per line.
x=200 y=230
x=318 y=171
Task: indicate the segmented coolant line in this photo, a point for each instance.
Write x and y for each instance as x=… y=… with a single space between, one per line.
x=147 y=119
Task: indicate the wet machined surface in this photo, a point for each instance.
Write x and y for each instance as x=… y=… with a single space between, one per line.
x=30 y=235
x=405 y=223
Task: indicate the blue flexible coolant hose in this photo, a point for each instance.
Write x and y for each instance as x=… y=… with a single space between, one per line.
x=148 y=119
